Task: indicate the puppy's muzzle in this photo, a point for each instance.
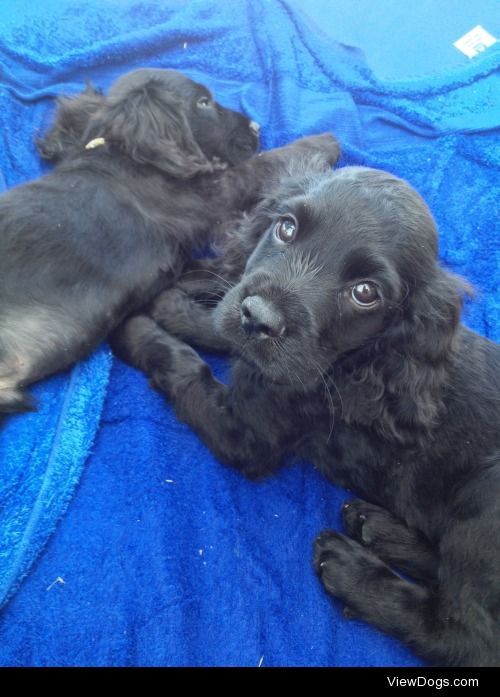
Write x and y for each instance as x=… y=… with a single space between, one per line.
x=261 y=319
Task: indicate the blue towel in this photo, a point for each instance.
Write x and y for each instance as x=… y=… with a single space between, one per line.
x=41 y=456
x=164 y=557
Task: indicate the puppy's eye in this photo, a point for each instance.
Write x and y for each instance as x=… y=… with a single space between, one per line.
x=365 y=294
x=203 y=103
x=285 y=229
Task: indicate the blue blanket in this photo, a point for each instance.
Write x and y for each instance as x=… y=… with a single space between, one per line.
x=164 y=557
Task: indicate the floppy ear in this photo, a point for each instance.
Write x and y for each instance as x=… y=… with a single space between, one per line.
x=404 y=380
x=65 y=137
x=150 y=125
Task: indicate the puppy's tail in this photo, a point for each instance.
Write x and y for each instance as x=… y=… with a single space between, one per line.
x=14 y=400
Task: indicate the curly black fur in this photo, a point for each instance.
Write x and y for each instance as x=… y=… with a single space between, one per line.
x=349 y=352
x=94 y=240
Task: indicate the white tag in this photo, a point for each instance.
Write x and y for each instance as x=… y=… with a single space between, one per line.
x=475 y=41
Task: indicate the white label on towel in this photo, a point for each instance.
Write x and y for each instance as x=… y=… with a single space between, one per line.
x=475 y=41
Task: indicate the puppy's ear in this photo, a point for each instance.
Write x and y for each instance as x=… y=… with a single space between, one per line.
x=150 y=125
x=73 y=114
x=414 y=356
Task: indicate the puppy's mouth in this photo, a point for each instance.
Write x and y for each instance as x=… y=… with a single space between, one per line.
x=243 y=144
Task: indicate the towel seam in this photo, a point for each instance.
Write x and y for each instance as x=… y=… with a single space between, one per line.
x=17 y=563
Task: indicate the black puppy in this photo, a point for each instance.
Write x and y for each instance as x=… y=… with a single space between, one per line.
x=145 y=176
x=350 y=353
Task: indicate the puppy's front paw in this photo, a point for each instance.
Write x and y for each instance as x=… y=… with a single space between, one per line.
x=184 y=366
x=360 y=521
x=347 y=570
x=332 y=555
x=172 y=310
x=326 y=144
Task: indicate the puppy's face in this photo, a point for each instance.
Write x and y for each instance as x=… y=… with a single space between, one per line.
x=340 y=255
x=219 y=132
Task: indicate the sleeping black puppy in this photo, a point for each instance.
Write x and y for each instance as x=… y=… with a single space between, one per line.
x=349 y=352
x=145 y=175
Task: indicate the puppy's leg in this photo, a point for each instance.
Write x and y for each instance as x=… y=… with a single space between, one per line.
x=178 y=314
x=14 y=372
x=224 y=423
x=13 y=399
x=245 y=184
x=370 y=589
x=201 y=279
x=36 y=343
x=445 y=625
x=390 y=539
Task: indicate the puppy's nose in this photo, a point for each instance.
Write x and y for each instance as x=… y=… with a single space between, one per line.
x=254 y=127
x=261 y=318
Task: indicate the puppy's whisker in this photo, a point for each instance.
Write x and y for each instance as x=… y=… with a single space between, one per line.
x=331 y=407
x=330 y=379
x=289 y=375
x=403 y=299
x=214 y=296
x=291 y=358
x=227 y=283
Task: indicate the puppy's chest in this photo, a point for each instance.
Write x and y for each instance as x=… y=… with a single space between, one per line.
x=383 y=473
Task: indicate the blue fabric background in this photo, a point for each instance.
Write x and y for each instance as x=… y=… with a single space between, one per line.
x=164 y=557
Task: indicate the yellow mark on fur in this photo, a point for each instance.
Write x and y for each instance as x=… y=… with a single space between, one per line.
x=95 y=143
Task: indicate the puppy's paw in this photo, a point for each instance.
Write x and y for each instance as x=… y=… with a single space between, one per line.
x=347 y=570
x=390 y=539
x=171 y=310
x=183 y=367
x=365 y=522
x=332 y=557
x=325 y=144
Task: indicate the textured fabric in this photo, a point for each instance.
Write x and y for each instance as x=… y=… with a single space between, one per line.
x=165 y=557
x=41 y=456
